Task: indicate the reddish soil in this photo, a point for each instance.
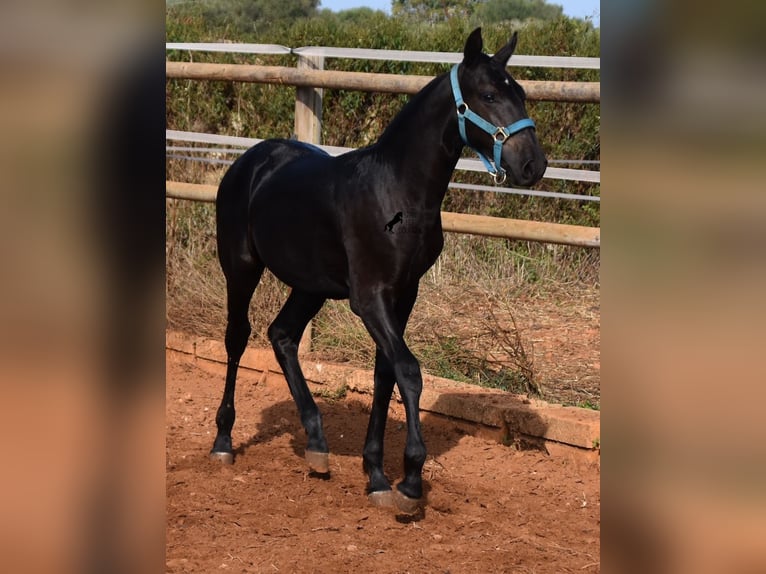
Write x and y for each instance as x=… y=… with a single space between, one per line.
x=489 y=508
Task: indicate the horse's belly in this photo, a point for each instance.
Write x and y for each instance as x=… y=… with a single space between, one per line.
x=306 y=270
x=302 y=249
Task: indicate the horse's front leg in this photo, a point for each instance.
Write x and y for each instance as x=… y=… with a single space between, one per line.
x=379 y=488
x=410 y=383
x=385 y=323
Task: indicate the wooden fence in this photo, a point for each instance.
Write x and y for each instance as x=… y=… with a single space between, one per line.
x=310 y=79
x=315 y=77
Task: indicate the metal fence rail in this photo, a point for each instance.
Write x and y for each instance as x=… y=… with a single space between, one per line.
x=464 y=164
x=518 y=60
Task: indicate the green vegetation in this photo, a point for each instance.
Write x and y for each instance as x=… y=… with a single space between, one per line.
x=589 y=404
x=495 y=269
x=506 y=10
x=485 y=12
x=331 y=395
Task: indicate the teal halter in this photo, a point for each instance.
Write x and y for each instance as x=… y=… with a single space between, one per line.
x=499 y=134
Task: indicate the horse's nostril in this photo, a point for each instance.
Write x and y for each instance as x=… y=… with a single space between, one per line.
x=533 y=169
x=528 y=169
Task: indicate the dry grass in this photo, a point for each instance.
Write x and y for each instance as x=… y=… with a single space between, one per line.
x=489 y=312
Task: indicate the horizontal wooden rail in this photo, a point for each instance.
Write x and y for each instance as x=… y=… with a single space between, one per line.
x=584 y=92
x=521 y=229
x=455 y=222
x=192 y=191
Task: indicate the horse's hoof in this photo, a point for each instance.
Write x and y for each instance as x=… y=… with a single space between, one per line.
x=382 y=499
x=395 y=500
x=222 y=457
x=405 y=504
x=318 y=461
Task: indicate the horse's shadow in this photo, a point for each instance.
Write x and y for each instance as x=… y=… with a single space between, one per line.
x=345 y=423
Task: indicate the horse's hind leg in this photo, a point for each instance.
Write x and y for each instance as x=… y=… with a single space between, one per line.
x=239 y=290
x=285 y=334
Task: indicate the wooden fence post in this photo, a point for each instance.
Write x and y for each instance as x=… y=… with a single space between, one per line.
x=308 y=104
x=308 y=128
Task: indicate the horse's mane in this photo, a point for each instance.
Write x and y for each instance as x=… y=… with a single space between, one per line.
x=412 y=107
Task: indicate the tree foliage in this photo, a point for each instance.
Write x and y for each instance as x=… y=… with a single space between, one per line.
x=243 y=16
x=504 y=10
x=433 y=10
x=484 y=11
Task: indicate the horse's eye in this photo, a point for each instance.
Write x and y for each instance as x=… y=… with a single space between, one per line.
x=490 y=98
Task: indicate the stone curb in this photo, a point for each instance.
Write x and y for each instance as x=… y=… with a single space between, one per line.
x=515 y=416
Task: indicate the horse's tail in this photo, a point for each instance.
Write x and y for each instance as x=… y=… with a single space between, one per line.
x=235 y=249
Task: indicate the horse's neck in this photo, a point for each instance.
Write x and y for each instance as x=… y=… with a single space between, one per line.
x=424 y=143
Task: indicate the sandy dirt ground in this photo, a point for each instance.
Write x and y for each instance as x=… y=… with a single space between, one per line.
x=489 y=507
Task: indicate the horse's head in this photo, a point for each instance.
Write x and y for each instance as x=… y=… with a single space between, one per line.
x=489 y=92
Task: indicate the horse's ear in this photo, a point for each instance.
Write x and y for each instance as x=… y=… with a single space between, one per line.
x=504 y=54
x=473 y=47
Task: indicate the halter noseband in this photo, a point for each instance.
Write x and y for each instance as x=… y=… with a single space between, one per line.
x=499 y=134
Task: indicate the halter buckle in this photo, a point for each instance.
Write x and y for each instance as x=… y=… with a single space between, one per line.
x=501 y=135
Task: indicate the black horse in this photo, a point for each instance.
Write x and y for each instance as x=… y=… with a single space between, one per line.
x=319 y=223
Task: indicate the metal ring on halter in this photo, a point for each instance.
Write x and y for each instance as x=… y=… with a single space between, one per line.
x=501 y=135
x=465 y=111
x=499 y=177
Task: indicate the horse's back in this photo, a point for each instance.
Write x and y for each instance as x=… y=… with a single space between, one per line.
x=253 y=169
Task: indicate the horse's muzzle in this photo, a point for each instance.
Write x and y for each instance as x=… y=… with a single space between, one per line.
x=532 y=171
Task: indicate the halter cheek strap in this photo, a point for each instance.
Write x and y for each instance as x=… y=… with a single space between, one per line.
x=499 y=133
